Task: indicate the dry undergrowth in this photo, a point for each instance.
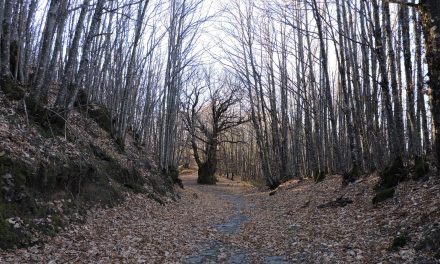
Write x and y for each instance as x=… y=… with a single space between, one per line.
x=291 y=223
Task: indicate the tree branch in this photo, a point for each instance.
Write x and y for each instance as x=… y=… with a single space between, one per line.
x=402 y=2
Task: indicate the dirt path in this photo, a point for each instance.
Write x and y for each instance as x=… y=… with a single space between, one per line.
x=226 y=247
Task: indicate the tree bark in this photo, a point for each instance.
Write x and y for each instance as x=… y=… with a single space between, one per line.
x=413 y=142
x=430 y=11
x=5 y=70
x=45 y=50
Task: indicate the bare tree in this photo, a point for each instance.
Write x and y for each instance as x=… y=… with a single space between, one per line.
x=207 y=122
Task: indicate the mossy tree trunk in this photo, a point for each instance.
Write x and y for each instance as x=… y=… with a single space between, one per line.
x=207 y=169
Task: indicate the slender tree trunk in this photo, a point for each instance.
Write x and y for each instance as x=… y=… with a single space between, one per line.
x=411 y=120
x=422 y=123
x=380 y=50
x=354 y=154
x=5 y=69
x=46 y=48
x=49 y=75
x=28 y=40
x=399 y=145
x=327 y=90
x=430 y=11
x=68 y=77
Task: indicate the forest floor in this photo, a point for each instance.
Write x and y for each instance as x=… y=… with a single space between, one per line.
x=234 y=222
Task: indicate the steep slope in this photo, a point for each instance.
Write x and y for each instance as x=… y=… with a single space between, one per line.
x=49 y=178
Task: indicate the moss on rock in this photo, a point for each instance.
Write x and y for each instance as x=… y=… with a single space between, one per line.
x=11 y=89
x=352 y=175
x=392 y=174
x=382 y=195
x=398 y=242
x=10 y=237
x=421 y=167
x=173 y=174
x=50 y=122
x=319 y=176
x=389 y=179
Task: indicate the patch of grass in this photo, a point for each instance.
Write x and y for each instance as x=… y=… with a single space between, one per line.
x=136 y=188
x=398 y=242
x=19 y=170
x=102 y=194
x=257 y=183
x=99 y=153
x=90 y=184
x=156 y=198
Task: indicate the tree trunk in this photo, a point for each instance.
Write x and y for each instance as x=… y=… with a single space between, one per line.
x=413 y=142
x=28 y=41
x=69 y=70
x=46 y=48
x=398 y=129
x=5 y=70
x=206 y=172
x=354 y=154
x=380 y=51
x=49 y=75
x=422 y=123
x=430 y=11
x=327 y=90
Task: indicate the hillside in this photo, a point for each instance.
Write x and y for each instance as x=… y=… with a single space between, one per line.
x=48 y=181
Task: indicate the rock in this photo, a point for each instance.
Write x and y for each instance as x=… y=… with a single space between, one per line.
x=7 y=176
x=382 y=195
x=16 y=222
x=339 y=202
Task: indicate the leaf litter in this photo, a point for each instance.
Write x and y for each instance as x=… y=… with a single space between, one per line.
x=287 y=227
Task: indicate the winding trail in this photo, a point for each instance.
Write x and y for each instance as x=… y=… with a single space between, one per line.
x=216 y=250
x=226 y=250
